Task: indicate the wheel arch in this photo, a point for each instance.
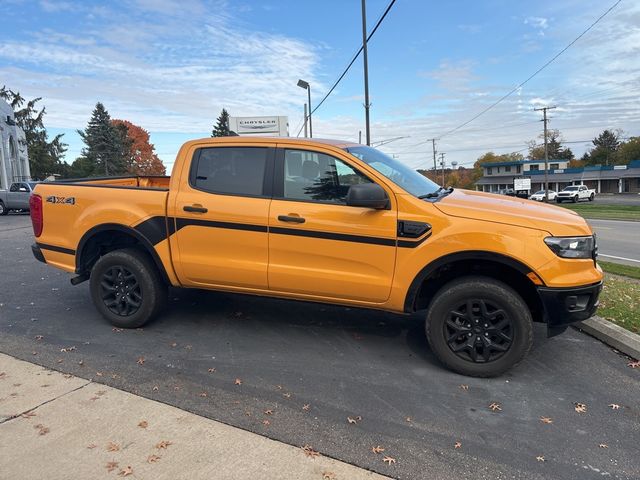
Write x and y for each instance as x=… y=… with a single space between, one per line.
x=473 y=262
x=108 y=237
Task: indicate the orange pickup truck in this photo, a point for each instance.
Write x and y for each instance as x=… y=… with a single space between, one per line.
x=325 y=221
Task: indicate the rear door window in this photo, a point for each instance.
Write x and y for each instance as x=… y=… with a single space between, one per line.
x=230 y=170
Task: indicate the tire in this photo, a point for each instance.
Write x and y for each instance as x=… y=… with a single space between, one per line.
x=575 y=198
x=3 y=210
x=558 y=200
x=591 y=197
x=126 y=288
x=507 y=339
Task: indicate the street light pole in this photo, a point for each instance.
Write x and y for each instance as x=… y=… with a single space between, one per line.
x=366 y=72
x=306 y=134
x=303 y=84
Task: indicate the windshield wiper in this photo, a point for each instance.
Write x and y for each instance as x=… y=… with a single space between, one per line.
x=437 y=193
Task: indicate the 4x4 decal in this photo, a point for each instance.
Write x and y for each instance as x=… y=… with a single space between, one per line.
x=63 y=200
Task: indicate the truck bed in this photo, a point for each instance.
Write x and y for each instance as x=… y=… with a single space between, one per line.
x=160 y=182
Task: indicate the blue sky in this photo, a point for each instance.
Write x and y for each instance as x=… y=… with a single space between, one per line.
x=170 y=66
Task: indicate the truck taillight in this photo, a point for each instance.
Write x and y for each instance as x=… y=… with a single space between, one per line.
x=35 y=209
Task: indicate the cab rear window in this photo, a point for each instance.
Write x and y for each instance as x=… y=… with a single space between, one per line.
x=229 y=170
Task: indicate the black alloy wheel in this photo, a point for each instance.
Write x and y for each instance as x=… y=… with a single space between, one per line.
x=478 y=331
x=121 y=292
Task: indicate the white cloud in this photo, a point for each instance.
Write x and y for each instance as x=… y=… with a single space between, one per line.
x=53 y=6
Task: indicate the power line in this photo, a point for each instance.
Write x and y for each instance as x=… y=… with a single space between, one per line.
x=355 y=57
x=532 y=75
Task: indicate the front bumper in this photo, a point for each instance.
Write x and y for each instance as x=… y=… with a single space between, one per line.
x=564 y=306
x=35 y=249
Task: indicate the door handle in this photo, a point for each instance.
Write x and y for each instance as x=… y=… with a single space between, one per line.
x=195 y=209
x=291 y=219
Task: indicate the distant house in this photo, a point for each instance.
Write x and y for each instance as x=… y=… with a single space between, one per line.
x=603 y=179
x=14 y=161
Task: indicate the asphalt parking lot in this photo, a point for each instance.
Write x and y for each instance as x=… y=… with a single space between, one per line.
x=233 y=357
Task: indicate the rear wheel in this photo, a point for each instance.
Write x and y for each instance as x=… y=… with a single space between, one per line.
x=126 y=288
x=3 y=210
x=478 y=326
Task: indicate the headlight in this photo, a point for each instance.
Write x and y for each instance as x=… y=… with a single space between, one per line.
x=572 y=247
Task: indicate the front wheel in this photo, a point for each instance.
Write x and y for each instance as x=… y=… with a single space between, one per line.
x=575 y=198
x=478 y=326
x=126 y=288
x=591 y=197
x=3 y=210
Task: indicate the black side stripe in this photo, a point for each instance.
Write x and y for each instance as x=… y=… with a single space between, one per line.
x=157 y=229
x=391 y=242
x=55 y=248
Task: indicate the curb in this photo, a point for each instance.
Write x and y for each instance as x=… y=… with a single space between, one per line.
x=613 y=335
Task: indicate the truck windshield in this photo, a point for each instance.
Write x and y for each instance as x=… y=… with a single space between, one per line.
x=400 y=174
x=570 y=189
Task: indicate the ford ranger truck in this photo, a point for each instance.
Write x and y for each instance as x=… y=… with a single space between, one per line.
x=575 y=193
x=325 y=221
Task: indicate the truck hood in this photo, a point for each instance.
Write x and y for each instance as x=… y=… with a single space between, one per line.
x=495 y=208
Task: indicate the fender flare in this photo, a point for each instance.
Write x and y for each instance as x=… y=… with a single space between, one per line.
x=131 y=231
x=426 y=271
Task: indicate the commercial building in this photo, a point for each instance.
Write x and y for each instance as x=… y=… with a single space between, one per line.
x=14 y=161
x=601 y=178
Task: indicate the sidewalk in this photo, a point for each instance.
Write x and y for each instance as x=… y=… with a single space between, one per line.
x=56 y=426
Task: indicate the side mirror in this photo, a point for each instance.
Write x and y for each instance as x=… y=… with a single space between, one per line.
x=367 y=195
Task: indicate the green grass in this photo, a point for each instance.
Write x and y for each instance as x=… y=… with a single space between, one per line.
x=620 y=297
x=606 y=212
x=618 y=269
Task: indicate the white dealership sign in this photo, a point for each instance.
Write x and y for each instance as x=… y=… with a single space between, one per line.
x=522 y=184
x=278 y=126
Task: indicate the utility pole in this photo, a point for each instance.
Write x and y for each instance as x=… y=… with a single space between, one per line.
x=305 y=121
x=366 y=72
x=546 y=152
x=435 y=167
x=360 y=136
x=442 y=165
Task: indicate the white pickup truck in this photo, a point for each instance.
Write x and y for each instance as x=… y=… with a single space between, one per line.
x=17 y=197
x=574 y=193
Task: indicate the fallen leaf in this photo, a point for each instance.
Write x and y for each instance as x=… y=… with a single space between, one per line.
x=111 y=466
x=81 y=362
x=546 y=420
x=140 y=361
x=67 y=375
x=278 y=387
x=163 y=444
x=580 y=407
x=59 y=360
x=355 y=420
x=635 y=364
x=153 y=458
x=204 y=394
x=286 y=395
x=309 y=451
x=98 y=374
x=91 y=446
x=495 y=407
x=115 y=329
x=238 y=381
x=464 y=387
x=457 y=445
x=155 y=388
x=614 y=406
x=266 y=423
x=408 y=419
x=306 y=407
x=377 y=449
x=329 y=476
x=188 y=347
x=540 y=458
x=389 y=460
x=42 y=430
x=28 y=414
x=173 y=345
x=112 y=447
x=39 y=337
x=125 y=472
x=603 y=445
x=143 y=424
x=68 y=349
x=268 y=412
x=211 y=370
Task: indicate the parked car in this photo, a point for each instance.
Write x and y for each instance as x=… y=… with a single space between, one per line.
x=507 y=191
x=539 y=196
x=325 y=221
x=17 y=197
x=575 y=193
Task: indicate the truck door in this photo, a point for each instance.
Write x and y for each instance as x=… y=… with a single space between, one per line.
x=19 y=196
x=221 y=209
x=317 y=244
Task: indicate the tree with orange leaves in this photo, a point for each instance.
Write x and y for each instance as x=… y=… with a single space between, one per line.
x=141 y=158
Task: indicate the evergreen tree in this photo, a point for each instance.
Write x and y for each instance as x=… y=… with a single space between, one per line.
x=105 y=149
x=221 y=128
x=45 y=157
